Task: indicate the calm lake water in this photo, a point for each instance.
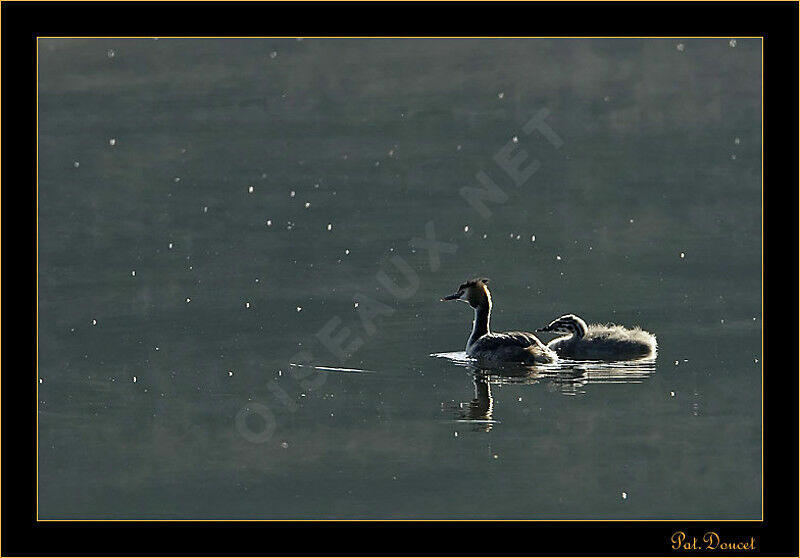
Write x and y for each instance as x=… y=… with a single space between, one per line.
x=213 y=212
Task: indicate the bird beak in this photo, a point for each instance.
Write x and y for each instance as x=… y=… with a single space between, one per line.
x=450 y=297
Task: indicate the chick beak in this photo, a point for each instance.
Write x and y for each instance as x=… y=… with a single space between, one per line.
x=450 y=297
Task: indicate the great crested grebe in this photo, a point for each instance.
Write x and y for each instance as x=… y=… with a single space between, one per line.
x=599 y=341
x=513 y=346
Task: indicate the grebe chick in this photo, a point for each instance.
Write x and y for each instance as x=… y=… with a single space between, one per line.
x=513 y=346
x=599 y=341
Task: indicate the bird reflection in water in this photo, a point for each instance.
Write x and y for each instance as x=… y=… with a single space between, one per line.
x=479 y=411
x=571 y=378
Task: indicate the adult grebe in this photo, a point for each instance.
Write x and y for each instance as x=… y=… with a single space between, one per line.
x=513 y=346
x=598 y=341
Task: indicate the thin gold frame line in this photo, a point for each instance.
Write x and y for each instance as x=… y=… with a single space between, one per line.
x=761 y=520
x=393 y=36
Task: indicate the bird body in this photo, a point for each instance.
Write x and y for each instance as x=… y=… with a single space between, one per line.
x=513 y=346
x=599 y=341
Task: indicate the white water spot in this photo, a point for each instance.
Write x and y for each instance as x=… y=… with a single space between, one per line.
x=672 y=394
x=755 y=360
x=733 y=156
x=455 y=434
x=495 y=456
x=558 y=258
x=299 y=308
x=307 y=205
x=347 y=252
x=683 y=255
x=188 y=300
x=501 y=95
x=391 y=153
x=205 y=209
x=606 y=98
x=269 y=222
x=630 y=221
x=518 y=237
x=273 y=54
x=519 y=399
x=355 y=304
x=676 y=363
x=680 y=47
x=76 y=164
x=284 y=445
x=110 y=53
x=533 y=238
x=112 y=141
x=176 y=179
x=515 y=139
x=484 y=236
x=170 y=246
x=230 y=373
x=732 y=43
x=737 y=141
x=133 y=273
x=94 y=322
x=458 y=147
x=330 y=226
x=250 y=190
x=41 y=380
x=466 y=228
x=134 y=379
x=292 y=194
x=247 y=305
x=624 y=495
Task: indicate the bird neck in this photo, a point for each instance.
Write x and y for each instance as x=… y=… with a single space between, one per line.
x=578 y=330
x=480 y=325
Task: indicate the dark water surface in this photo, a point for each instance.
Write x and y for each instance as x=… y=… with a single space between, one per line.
x=181 y=274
